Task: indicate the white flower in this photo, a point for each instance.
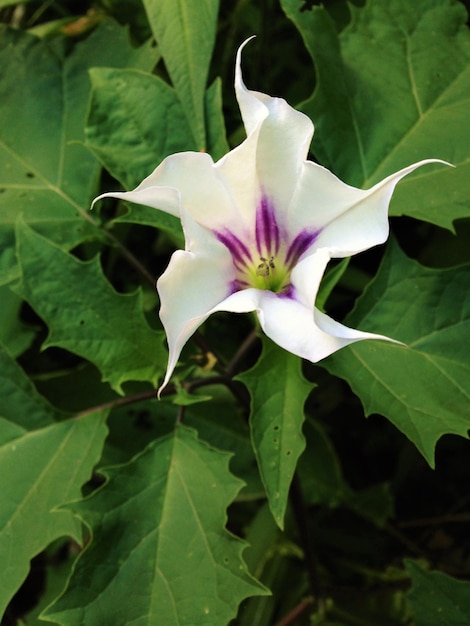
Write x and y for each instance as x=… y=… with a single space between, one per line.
x=260 y=226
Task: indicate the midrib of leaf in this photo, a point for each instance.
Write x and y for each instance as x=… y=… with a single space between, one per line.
x=411 y=76
x=435 y=332
x=435 y=362
x=195 y=514
x=409 y=407
x=154 y=610
x=47 y=184
x=357 y=133
x=60 y=170
x=174 y=467
x=420 y=120
x=281 y=472
x=46 y=468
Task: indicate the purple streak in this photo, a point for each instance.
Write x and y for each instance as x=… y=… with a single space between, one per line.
x=237 y=285
x=266 y=228
x=288 y=292
x=301 y=244
x=240 y=253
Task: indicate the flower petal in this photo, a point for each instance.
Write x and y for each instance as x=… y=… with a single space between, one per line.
x=163 y=198
x=195 y=281
x=293 y=326
x=284 y=137
x=305 y=330
x=251 y=103
x=186 y=180
x=351 y=220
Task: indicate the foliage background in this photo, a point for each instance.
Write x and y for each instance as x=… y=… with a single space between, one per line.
x=119 y=509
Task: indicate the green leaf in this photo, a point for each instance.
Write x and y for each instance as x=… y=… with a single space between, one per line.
x=392 y=89
x=228 y=434
x=217 y=144
x=46 y=173
x=422 y=387
x=329 y=282
x=40 y=471
x=185 y=33
x=437 y=599
x=278 y=392
x=159 y=538
x=135 y=121
x=21 y=403
x=7 y=3
x=86 y=315
x=148 y=216
x=14 y=334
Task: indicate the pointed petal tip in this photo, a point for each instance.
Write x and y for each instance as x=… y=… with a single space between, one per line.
x=166 y=380
x=238 y=64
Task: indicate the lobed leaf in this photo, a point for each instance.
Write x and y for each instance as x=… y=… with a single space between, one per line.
x=21 y=403
x=85 y=315
x=392 y=89
x=422 y=386
x=436 y=598
x=46 y=173
x=185 y=33
x=278 y=392
x=159 y=538
x=135 y=121
x=40 y=471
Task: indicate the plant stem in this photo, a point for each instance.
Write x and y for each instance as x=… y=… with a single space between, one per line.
x=295 y=612
x=118 y=402
x=301 y=517
x=232 y=366
x=134 y=261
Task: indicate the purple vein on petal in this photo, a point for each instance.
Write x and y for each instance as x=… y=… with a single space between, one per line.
x=300 y=244
x=266 y=228
x=288 y=292
x=238 y=250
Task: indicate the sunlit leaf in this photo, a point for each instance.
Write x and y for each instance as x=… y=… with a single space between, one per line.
x=159 y=538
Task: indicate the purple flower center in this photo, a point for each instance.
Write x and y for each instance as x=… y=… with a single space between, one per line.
x=266 y=260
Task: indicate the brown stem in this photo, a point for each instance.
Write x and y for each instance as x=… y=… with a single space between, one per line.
x=118 y=402
x=232 y=366
x=403 y=539
x=450 y=518
x=134 y=261
x=294 y=613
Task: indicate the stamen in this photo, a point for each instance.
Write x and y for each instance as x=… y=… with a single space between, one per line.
x=265 y=267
